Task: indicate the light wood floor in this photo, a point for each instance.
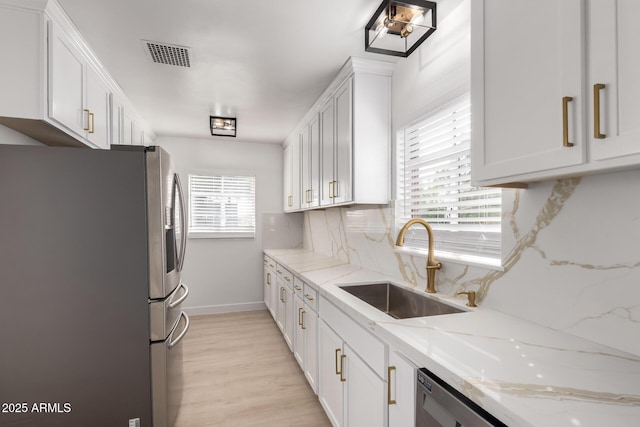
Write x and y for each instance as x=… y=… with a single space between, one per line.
x=238 y=371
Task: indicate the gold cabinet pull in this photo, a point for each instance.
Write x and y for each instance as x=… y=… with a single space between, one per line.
x=288 y=279
x=336 y=187
x=389 y=400
x=331 y=189
x=290 y=201
x=300 y=316
x=297 y=288
x=309 y=297
x=302 y=322
x=565 y=121
x=337 y=368
x=268 y=278
x=88 y=113
x=342 y=359
x=93 y=123
x=281 y=294
x=596 y=111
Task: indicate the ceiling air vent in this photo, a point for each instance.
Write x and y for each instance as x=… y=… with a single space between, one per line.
x=163 y=53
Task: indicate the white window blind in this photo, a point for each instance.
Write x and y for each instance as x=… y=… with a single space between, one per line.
x=434 y=183
x=222 y=206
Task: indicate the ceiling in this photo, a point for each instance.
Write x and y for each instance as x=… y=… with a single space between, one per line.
x=264 y=62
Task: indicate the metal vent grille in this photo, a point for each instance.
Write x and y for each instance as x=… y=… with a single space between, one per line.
x=163 y=53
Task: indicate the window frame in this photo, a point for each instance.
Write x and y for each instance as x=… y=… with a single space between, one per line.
x=451 y=245
x=221 y=232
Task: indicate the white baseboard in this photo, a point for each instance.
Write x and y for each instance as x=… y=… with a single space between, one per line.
x=225 y=308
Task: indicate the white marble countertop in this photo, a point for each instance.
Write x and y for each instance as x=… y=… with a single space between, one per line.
x=522 y=373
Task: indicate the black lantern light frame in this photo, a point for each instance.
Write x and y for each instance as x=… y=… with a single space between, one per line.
x=397 y=19
x=223 y=126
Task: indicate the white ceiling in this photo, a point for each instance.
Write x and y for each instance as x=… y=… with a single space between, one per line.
x=262 y=61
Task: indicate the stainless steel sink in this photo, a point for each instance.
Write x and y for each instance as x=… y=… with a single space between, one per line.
x=398 y=302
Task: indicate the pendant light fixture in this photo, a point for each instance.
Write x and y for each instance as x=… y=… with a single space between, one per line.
x=397 y=27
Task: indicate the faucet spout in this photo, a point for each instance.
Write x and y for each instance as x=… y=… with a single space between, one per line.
x=432 y=264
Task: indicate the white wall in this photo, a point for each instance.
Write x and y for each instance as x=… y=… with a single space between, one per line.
x=226 y=274
x=571 y=248
x=10 y=136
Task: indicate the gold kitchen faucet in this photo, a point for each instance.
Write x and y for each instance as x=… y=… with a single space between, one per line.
x=432 y=264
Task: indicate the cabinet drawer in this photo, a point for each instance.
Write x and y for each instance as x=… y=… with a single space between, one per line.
x=268 y=262
x=310 y=297
x=298 y=286
x=285 y=275
x=368 y=347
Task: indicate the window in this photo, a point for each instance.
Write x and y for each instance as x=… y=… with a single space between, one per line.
x=434 y=183
x=222 y=206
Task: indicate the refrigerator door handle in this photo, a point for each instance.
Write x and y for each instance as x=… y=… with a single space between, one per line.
x=173 y=342
x=174 y=304
x=183 y=222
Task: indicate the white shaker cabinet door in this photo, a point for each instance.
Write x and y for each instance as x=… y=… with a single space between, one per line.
x=402 y=387
x=365 y=393
x=310 y=323
x=98 y=94
x=614 y=67
x=327 y=138
x=66 y=83
x=331 y=392
x=342 y=188
x=298 y=339
x=527 y=88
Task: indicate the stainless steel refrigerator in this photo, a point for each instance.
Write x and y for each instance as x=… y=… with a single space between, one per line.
x=92 y=243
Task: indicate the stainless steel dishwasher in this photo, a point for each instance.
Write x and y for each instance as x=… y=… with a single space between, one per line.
x=440 y=405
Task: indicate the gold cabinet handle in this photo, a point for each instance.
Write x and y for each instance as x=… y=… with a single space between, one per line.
x=309 y=297
x=389 y=400
x=88 y=115
x=288 y=279
x=93 y=123
x=302 y=322
x=278 y=271
x=300 y=316
x=268 y=278
x=281 y=294
x=337 y=368
x=565 y=121
x=596 y=111
x=331 y=189
x=297 y=288
x=342 y=359
x=336 y=187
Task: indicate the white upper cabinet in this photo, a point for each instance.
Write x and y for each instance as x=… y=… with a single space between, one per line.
x=310 y=164
x=78 y=96
x=54 y=87
x=292 y=177
x=614 y=67
x=520 y=78
x=347 y=138
x=340 y=183
x=561 y=101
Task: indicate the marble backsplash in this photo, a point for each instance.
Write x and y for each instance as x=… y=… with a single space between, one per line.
x=570 y=255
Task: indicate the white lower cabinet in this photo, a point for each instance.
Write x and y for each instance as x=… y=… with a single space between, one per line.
x=359 y=381
x=285 y=312
x=331 y=391
x=305 y=342
x=402 y=387
x=352 y=391
x=270 y=286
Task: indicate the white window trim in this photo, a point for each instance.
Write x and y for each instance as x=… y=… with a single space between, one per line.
x=418 y=246
x=223 y=234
